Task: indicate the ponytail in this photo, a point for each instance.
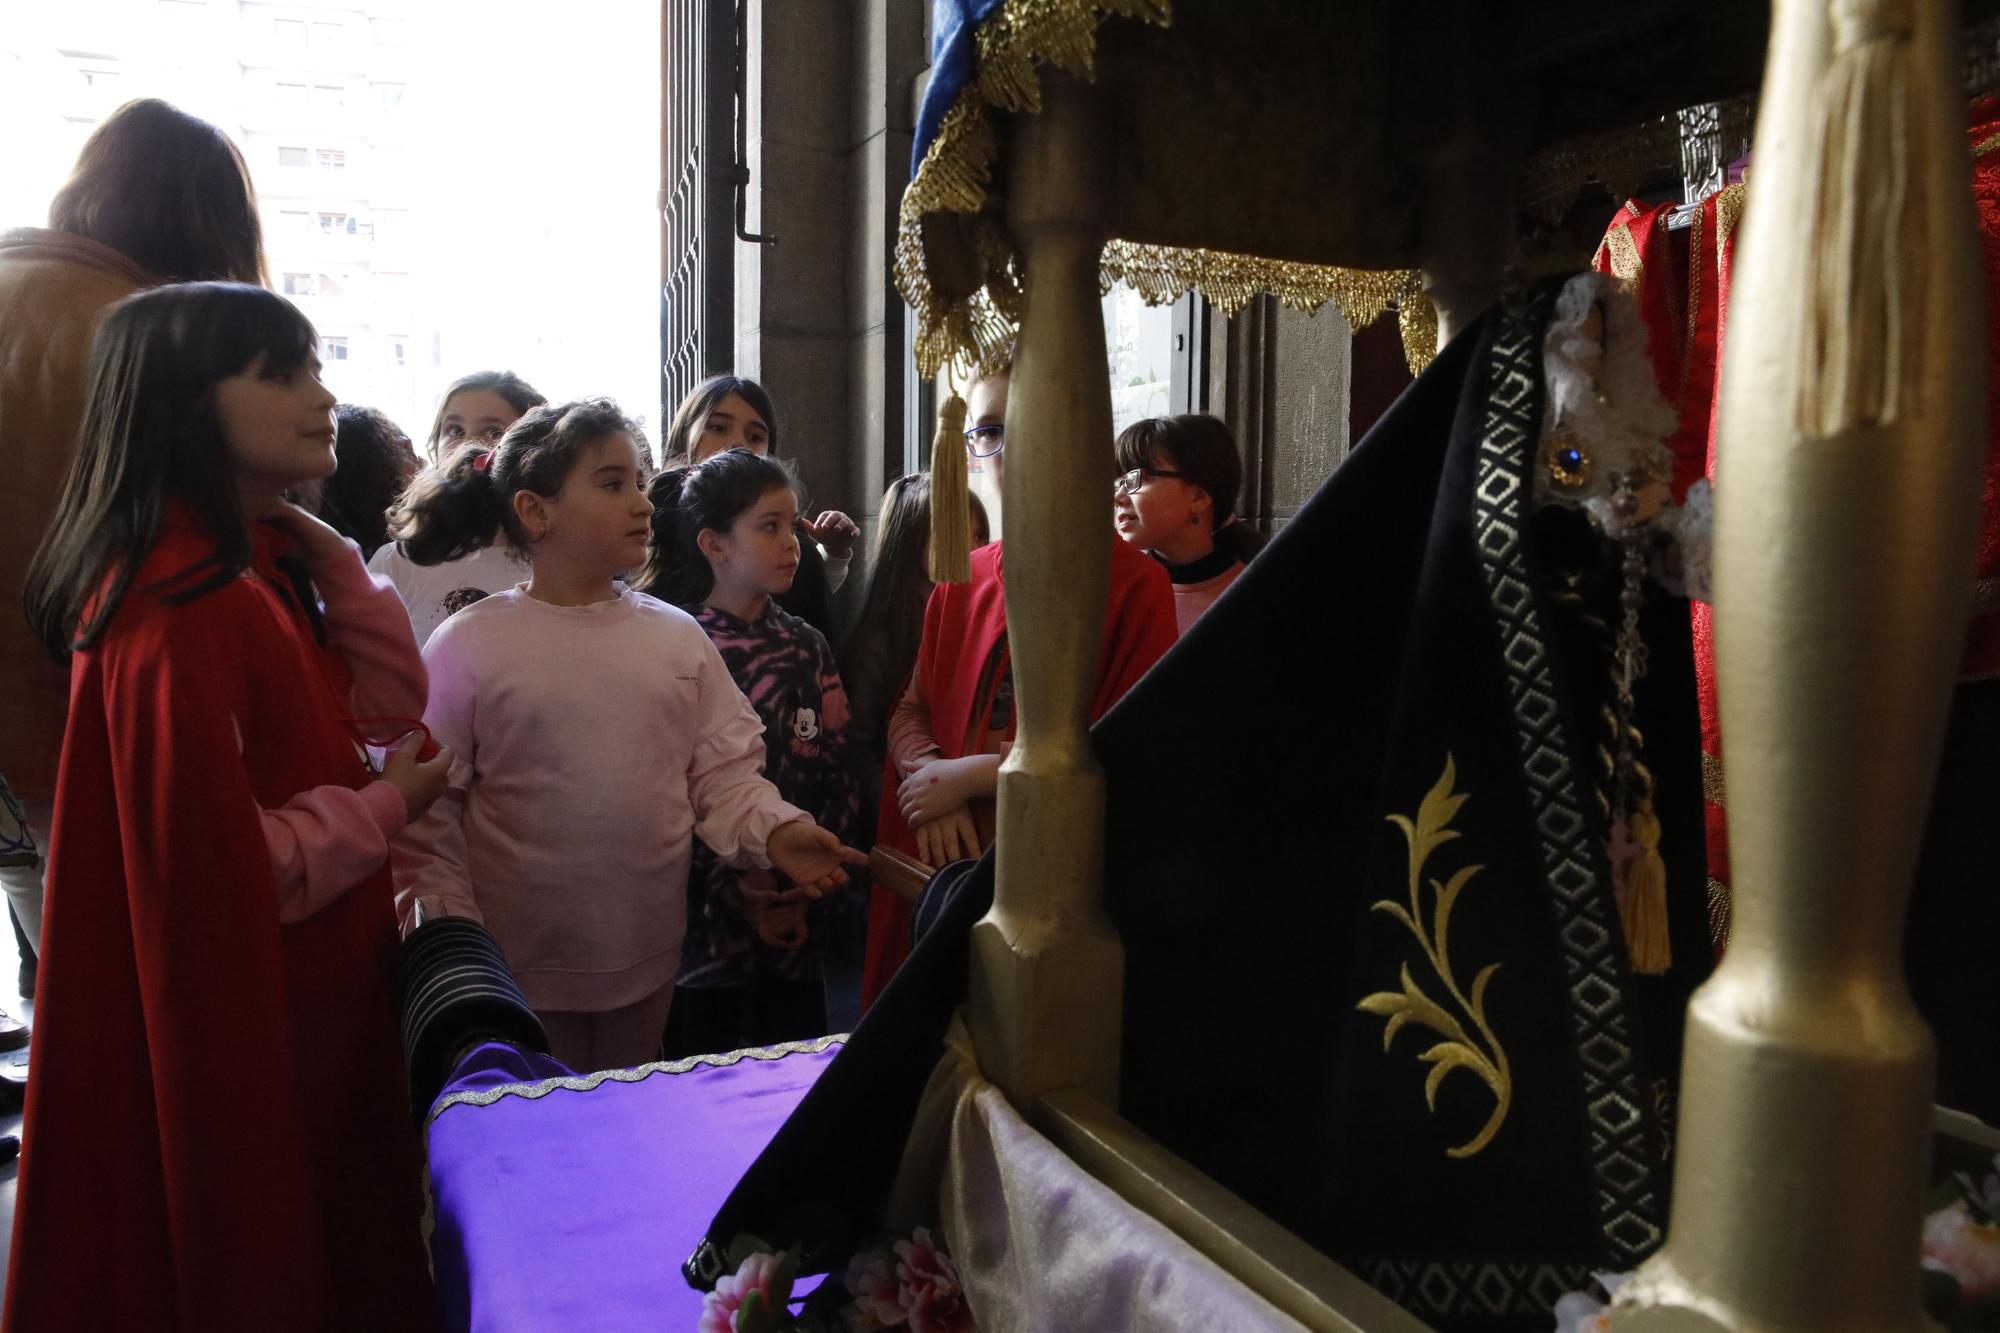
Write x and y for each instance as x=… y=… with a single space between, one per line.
x=465 y=502
x=675 y=570
x=452 y=509
x=1239 y=540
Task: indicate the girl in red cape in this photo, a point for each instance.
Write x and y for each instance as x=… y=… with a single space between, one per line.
x=218 y=1132
x=951 y=730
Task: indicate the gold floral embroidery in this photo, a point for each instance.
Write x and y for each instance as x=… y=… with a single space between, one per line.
x=1479 y=1051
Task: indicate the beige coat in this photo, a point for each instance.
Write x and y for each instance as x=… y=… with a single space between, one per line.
x=54 y=287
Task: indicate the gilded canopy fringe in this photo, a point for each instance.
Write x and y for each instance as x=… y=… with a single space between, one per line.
x=956 y=174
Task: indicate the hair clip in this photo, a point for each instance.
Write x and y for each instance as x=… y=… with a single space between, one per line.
x=483 y=463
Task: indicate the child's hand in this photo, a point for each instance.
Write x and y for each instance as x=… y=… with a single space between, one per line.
x=945 y=785
x=420 y=781
x=835 y=531
x=316 y=541
x=950 y=837
x=782 y=926
x=810 y=857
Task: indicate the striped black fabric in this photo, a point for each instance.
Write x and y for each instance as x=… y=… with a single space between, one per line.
x=455 y=991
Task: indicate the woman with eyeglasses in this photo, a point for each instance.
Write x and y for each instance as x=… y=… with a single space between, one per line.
x=1175 y=498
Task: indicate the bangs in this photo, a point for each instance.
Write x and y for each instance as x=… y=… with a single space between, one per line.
x=1144 y=444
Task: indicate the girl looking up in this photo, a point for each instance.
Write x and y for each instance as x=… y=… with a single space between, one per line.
x=726 y=543
x=1175 y=498
x=437 y=578
x=729 y=412
x=217 y=1094
x=598 y=732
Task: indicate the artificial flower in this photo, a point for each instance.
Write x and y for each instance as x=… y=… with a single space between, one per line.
x=719 y=1307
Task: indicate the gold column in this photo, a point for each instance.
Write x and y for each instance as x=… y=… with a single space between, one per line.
x=1843 y=560
x=1048 y=971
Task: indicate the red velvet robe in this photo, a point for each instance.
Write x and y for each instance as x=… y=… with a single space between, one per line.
x=963 y=623
x=1683 y=296
x=218 y=1132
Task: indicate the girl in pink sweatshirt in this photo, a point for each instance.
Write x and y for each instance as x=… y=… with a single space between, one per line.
x=596 y=733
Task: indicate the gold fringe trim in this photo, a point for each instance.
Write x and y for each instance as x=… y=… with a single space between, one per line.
x=956 y=177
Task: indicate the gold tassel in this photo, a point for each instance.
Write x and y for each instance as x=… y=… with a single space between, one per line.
x=951 y=506
x=1860 y=343
x=1645 y=904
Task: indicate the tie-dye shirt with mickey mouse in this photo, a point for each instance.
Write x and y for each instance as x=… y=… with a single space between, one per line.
x=786 y=669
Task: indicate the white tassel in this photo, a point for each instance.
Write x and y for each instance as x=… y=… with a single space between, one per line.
x=1861 y=341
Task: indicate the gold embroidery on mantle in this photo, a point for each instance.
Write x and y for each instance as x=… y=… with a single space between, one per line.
x=1624 y=250
x=1728 y=213
x=1479 y=1051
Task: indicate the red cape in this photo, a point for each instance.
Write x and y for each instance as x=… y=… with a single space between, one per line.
x=963 y=622
x=218 y=1131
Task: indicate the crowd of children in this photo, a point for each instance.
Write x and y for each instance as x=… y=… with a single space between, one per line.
x=606 y=709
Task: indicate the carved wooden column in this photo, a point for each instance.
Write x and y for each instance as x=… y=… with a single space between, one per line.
x=1843 y=570
x=1048 y=972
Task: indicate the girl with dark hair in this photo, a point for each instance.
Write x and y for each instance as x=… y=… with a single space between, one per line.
x=157 y=196
x=729 y=412
x=1175 y=498
x=880 y=649
x=373 y=465
x=725 y=542
x=476 y=408
x=598 y=733
x=216 y=1047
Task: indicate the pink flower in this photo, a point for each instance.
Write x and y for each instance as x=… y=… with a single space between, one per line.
x=872 y=1283
x=931 y=1296
x=719 y=1307
x=1967 y=1249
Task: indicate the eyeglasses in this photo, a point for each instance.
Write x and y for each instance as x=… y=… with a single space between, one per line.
x=986 y=441
x=1137 y=477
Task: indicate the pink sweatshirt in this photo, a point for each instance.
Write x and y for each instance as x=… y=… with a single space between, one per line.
x=324 y=841
x=592 y=745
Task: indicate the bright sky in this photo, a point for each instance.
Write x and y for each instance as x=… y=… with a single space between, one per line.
x=529 y=175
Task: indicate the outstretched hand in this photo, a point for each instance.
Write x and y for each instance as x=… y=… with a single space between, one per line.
x=811 y=857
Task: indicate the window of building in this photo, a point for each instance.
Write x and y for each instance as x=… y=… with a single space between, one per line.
x=298 y=284
x=399 y=349
x=295 y=220
x=390 y=32
x=325 y=35
x=291 y=96
x=335 y=349
x=289 y=32
x=329 y=96
x=293 y=157
x=334 y=222
x=331 y=286
x=97 y=77
x=389 y=95
x=332 y=159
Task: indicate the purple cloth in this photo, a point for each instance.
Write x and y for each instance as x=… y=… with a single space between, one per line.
x=567 y=1207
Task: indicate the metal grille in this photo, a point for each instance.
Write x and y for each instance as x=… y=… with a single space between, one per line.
x=696 y=88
